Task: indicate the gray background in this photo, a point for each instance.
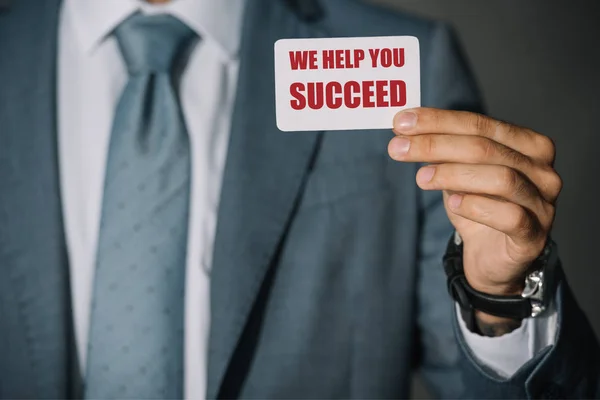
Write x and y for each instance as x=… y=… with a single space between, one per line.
x=538 y=63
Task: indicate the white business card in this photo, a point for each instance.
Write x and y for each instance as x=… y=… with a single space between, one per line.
x=345 y=83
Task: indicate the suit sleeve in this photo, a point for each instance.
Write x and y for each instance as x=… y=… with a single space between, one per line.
x=568 y=369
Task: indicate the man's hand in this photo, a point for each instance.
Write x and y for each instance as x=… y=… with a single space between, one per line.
x=499 y=184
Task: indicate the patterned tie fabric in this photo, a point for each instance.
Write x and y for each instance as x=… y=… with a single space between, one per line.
x=136 y=327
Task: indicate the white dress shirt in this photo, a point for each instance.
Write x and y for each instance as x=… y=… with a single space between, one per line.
x=91 y=76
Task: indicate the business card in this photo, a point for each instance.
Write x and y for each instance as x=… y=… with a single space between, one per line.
x=345 y=83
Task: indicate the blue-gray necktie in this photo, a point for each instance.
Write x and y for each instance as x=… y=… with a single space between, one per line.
x=136 y=326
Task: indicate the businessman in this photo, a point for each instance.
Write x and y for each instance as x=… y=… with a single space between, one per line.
x=160 y=238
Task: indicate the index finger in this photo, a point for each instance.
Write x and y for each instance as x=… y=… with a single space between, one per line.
x=418 y=121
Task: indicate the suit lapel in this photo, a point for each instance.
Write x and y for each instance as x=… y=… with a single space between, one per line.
x=34 y=288
x=263 y=179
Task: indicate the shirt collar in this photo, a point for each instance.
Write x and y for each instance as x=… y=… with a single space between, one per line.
x=216 y=20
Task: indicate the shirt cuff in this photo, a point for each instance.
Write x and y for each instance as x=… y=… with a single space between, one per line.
x=505 y=354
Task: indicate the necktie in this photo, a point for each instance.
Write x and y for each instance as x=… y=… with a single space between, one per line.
x=136 y=328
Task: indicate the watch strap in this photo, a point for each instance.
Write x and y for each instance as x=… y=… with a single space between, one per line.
x=515 y=307
x=469 y=299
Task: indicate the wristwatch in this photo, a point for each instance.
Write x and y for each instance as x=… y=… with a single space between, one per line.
x=532 y=302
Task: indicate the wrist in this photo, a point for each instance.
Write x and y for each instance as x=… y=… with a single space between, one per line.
x=485 y=318
x=493 y=326
x=493 y=279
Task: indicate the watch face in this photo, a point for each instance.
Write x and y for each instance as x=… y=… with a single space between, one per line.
x=539 y=284
x=534 y=291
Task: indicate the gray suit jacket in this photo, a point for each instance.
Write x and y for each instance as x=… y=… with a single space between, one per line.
x=327 y=280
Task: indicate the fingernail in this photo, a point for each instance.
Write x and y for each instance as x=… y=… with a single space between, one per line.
x=399 y=146
x=405 y=121
x=455 y=201
x=425 y=174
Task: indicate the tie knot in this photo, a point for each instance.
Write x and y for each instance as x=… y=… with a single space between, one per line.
x=153 y=43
